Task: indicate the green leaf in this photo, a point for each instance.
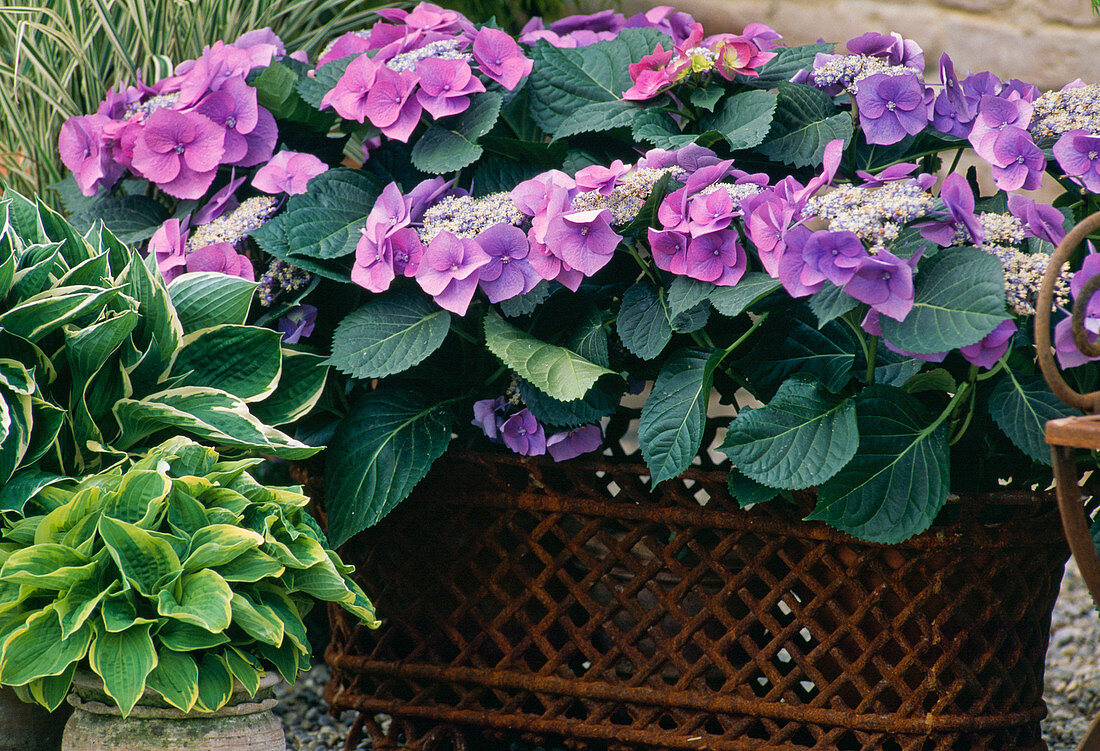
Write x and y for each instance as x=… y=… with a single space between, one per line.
x=707 y=97
x=218 y=544
x=959 y=298
x=141 y=497
x=300 y=386
x=215 y=683
x=674 y=415
x=748 y=492
x=787 y=61
x=323 y=223
x=800 y=438
x=245 y=668
x=47 y=566
x=176 y=679
x=50 y=691
x=523 y=305
x=185 y=637
x=257 y=620
x=597 y=117
x=685 y=293
x=132 y=219
x=37 y=649
x=596 y=404
x=324 y=80
x=48 y=311
x=556 y=371
x=565 y=80
x=744 y=119
x=936 y=379
x=23 y=486
x=379 y=453
x=142 y=558
x=450 y=144
x=829 y=303
x=898 y=481
x=203 y=601
x=1021 y=405
x=644 y=324
x=209 y=298
x=658 y=128
x=806 y=120
x=251 y=566
x=391 y=333
x=753 y=287
x=792 y=344
x=245 y=361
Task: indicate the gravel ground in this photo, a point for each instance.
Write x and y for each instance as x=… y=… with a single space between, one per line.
x=1072 y=682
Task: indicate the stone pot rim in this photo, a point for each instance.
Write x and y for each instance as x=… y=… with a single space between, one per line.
x=88 y=695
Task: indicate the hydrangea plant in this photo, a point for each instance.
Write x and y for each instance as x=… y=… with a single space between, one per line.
x=540 y=226
x=176 y=572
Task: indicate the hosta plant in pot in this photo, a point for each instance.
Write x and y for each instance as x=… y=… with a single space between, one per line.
x=726 y=359
x=167 y=593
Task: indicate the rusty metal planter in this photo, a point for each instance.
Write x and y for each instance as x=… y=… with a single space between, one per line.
x=571 y=601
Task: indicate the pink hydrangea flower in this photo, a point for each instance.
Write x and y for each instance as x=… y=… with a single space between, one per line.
x=167 y=245
x=583 y=239
x=390 y=105
x=500 y=58
x=445 y=86
x=86 y=149
x=288 y=172
x=449 y=271
x=234 y=107
x=373 y=269
x=1078 y=154
x=349 y=96
x=221 y=257
x=179 y=151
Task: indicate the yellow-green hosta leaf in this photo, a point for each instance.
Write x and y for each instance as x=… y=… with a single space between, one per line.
x=215 y=683
x=185 y=513
x=321 y=581
x=63 y=519
x=142 y=558
x=176 y=679
x=257 y=620
x=37 y=649
x=224 y=473
x=302 y=553
x=183 y=637
x=203 y=600
x=48 y=566
x=287 y=611
x=218 y=544
x=140 y=499
x=245 y=668
x=251 y=566
x=123 y=660
x=288 y=659
x=120 y=612
x=51 y=690
x=80 y=602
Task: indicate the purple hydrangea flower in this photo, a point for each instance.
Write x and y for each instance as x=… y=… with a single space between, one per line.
x=1017 y=161
x=767 y=218
x=1041 y=220
x=168 y=246
x=959 y=201
x=448 y=271
x=508 y=272
x=994 y=115
x=222 y=258
x=669 y=249
x=298 y=323
x=288 y=172
x=992 y=347
x=710 y=212
x=599 y=178
x=1078 y=154
x=390 y=105
x=500 y=58
x=891 y=107
x=832 y=255
x=582 y=440
x=234 y=107
x=717 y=257
x=1064 y=345
x=792 y=263
x=524 y=434
x=221 y=202
x=583 y=239
x=179 y=151
x=406 y=250
x=489 y=415
x=885 y=282
x=373 y=269
x=445 y=86
x=349 y=96
x=86 y=150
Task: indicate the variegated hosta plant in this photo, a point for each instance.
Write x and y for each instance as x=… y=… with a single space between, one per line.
x=179 y=573
x=98 y=357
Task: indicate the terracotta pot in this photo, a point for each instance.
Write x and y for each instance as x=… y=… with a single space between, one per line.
x=576 y=602
x=29 y=727
x=244 y=724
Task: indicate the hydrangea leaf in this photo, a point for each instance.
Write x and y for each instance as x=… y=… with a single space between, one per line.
x=450 y=144
x=644 y=323
x=674 y=415
x=597 y=117
x=324 y=223
x=806 y=120
x=959 y=297
x=787 y=61
x=685 y=293
x=132 y=219
x=596 y=404
x=1021 y=405
x=566 y=80
x=558 y=372
x=380 y=451
x=390 y=334
x=753 y=287
x=899 y=481
x=800 y=438
x=748 y=492
x=829 y=303
x=323 y=81
x=793 y=344
x=743 y=119
x=209 y=298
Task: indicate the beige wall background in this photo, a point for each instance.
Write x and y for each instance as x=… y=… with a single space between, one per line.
x=1045 y=42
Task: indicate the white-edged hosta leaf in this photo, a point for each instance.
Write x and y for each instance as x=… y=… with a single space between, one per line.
x=210 y=298
x=245 y=361
x=300 y=386
x=48 y=311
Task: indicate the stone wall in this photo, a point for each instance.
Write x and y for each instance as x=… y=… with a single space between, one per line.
x=1045 y=42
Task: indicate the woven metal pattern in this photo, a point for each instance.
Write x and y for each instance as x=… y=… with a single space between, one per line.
x=573 y=601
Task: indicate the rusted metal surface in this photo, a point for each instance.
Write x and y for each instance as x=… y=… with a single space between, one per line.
x=1066 y=434
x=575 y=603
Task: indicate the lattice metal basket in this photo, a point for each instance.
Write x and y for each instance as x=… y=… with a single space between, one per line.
x=575 y=603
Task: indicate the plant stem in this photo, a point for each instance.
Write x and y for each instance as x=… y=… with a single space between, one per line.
x=871 y=356
x=955 y=161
